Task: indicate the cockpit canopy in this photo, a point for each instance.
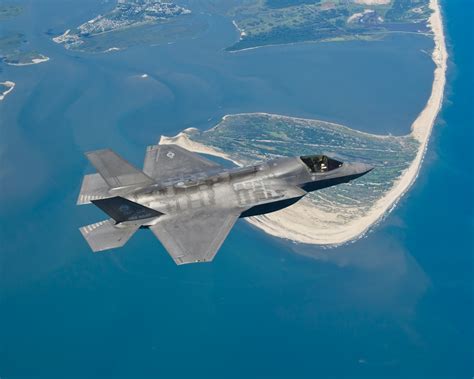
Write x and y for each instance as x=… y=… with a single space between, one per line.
x=320 y=163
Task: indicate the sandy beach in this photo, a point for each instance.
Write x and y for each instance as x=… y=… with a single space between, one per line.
x=305 y=223
x=42 y=58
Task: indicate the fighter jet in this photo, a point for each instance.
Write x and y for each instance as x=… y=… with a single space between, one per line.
x=191 y=203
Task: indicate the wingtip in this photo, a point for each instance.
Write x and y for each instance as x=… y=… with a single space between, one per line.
x=95 y=152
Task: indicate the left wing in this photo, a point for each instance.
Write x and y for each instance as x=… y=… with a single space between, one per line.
x=163 y=162
x=195 y=237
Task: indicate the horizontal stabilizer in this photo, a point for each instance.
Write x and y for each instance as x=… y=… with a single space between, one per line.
x=105 y=235
x=93 y=188
x=116 y=171
x=121 y=209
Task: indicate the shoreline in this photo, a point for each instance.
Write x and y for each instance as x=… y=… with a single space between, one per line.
x=299 y=222
x=43 y=58
x=10 y=86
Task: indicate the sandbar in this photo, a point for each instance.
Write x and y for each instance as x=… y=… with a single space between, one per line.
x=10 y=85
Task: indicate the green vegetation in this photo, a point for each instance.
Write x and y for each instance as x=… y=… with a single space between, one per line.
x=251 y=137
x=408 y=11
x=265 y=22
x=13 y=50
x=288 y=3
x=13 y=46
x=129 y=23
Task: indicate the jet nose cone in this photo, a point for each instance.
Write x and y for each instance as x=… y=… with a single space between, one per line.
x=360 y=169
x=363 y=168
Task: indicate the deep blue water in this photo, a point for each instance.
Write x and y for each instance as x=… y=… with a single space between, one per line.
x=396 y=303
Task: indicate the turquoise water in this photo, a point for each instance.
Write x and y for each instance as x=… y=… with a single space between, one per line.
x=396 y=303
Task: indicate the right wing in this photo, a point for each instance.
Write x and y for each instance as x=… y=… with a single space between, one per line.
x=195 y=237
x=163 y=162
x=115 y=170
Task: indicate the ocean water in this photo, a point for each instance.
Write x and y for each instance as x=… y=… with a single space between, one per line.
x=398 y=302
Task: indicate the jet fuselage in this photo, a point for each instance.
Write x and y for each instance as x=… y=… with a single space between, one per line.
x=191 y=203
x=255 y=189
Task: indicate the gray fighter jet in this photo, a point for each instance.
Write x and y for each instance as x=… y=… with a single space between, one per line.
x=191 y=203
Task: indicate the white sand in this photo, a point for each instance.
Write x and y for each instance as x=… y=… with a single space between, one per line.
x=241 y=31
x=358 y=16
x=10 y=86
x=305 y=223
x=42 y=58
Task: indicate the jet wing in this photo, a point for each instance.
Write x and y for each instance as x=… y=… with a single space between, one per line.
x=195 y=237
x=163 y=162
